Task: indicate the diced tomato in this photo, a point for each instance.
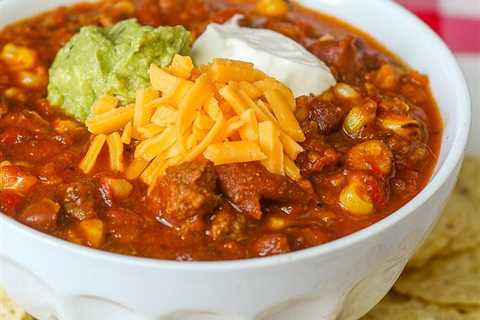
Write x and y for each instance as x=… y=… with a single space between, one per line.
x=15 y=135
x=10 y=202
x=123 y=225
x=224 y=15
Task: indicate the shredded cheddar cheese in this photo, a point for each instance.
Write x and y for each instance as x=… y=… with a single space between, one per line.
x=115 y=149
x=92 y=154
x=272 y=146
x=234 y=151
x=104 y=104
x=110 y=121
x=181 y=67
x=127 y=133
x=227 y=112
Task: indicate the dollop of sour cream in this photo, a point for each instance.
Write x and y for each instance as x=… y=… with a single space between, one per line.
x=271 y=52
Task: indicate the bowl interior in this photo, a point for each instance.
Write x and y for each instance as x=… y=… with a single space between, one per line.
x=400 y=32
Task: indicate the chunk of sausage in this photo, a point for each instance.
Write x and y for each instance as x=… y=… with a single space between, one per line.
x=245 y=184
x=41 y=215
x=185 y=191
x=79 y=200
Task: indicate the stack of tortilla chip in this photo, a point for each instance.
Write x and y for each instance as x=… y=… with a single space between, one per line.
x=442 y=281
x=9 y=310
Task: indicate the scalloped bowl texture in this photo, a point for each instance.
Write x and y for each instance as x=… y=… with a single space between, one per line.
x=343 y=279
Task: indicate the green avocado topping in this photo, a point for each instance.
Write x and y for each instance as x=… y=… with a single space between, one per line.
x=114 y=61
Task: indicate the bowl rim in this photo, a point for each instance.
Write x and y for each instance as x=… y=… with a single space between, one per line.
x=440 y=177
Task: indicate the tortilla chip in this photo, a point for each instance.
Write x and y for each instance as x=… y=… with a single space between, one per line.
x=469 y=237
x=469 y=180
x=394 y=307
x=452 y=281
x=459 y=227
x=469 y=187
x=9 y=310
x=450 y=226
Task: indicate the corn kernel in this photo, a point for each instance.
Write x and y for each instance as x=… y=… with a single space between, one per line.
x=18 y=57
x=345 y=91
x=120 y=188
x=123 y=8
x=353 y=202
x=93 y=231
x=30 y=79
x=15 y=94
x=387 y=77
x=355 y=121
x=401 y=125
x=277 y=223
x=272 y=8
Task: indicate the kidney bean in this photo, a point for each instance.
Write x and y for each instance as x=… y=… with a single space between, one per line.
x=10 y=201
x=41 y=215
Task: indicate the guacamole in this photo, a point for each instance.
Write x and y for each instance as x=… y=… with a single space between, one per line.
x=113 y=60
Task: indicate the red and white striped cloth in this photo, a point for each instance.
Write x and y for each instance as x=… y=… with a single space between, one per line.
x=458 y=23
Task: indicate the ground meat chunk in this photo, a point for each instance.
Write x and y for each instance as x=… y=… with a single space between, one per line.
x=227 y=223
x=327 y=115
x=323 y=118
x=407 y=153
x=292 y=30
x=312 y=161
x=318 y=154
x=245 y=184
x=339 y=55
x=193 y=229
x=347 y=57
x=270 y=244
x=185 y=191
x=79 y=200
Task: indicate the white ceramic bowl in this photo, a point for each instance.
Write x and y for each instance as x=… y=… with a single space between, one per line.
x=339 y=280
